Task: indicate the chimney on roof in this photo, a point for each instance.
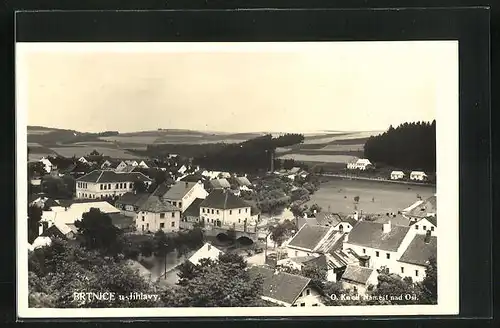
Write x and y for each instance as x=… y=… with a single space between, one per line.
x=386 y=227
x=209 y=246
x=427 y=238
x=187 y=184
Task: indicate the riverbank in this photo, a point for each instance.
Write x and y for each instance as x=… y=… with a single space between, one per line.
x=349 y=177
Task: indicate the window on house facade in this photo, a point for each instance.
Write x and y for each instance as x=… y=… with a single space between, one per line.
x=308 y=291
x=105 y=187
x=432 y=228
x=425 y=227
x=109 y=186
x=416 y=226
x=294 y=305
x=202 y=210
x=296 y=253
x=162 y=215
x=239 y=211
x=230 y=212
x=173 y=214
x=174 y=203
x=302 y=304
x=212 y=211
x=364 y=250
x=217 y=211
x=147 y=226
x=131 y=185
x=416 y=273
x=143 y=218
x=246 y=210
x=173 y=224
x=315 y=304
x=388 y=256
x=180 y=204
x=100 y=186
x=117 y=186
x=143 y=227
x=162 y=225
x=402 y=270
x=239 y=220
x=377 y=254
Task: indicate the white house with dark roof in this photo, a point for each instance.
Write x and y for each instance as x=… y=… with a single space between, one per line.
x=183 y=193
x=421 y=209
x=313 y=240
x=379 y=245
x=47 y=164
x=129 y=203
x=222 y=208
x=207 y=251
x=287 y=289
x=337 y=221
x=425 y=225
x=413 y=263
x=156 y=214
x=220 y=184
x=359 y=278
x=418 y=176
x=191 y=215
x=102 y=183
x=359 y=164
x=397 y=175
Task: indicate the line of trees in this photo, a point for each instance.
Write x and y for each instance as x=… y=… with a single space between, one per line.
x=409 y=146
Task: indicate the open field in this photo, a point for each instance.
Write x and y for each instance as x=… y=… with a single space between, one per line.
x=79 y=151
x=321 y=158
x=387 y=197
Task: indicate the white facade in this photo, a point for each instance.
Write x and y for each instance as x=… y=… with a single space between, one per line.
x=397 y=175
x=343 y=226
x=93 y=190
x=227 y=217
x=47 y=165
x=418 y=176
x=360 y=164
x=422 y=226
x=208 y=251
x=83 y=160
x=415 y=272
x=382 y=258
x=143 y=165
x=197 y=191
x=308 y=297
x=360 y=288
x=152 y=222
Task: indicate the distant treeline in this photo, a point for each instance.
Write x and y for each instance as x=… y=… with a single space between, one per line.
x=409 y=146
x=67 y=137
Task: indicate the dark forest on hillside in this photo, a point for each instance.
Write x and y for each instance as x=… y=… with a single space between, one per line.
x=409 y=146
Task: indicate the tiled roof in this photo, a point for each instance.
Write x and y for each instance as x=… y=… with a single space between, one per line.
x=130 y=198
x=243 y=181
x=397 y=219
x=54 y=231
x=433 y=220
x=280 y=286
x=207 y=251
x=179 y=190
x=161 y=190
x=419 y=252
x=121 y=221
x=310 y=221
x=155 y=204
x=357 y=274
x=101 y=176
x=328 y=219
x=333 y=241
x=309 y=236
x=221 y=199
x=427 y=207
x=194 y=208
x=220 y=183
x=370 y=234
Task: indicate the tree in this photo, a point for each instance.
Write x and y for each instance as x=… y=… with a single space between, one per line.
x=281 y=231
x=222 y=283
x=98 y=231
x=316 y=274
x=139 y=187
x=428 y=286
x=395 y=287
x=34 y=217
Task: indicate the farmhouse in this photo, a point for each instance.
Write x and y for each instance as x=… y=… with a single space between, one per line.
x=100 y=183
x=183 y=193
x=156 y=214
x=425 y=225
x=359 y=164
x=397 y=175
x=418 y=176
x=222 y=208
x=287 y=289
x=207 y=251
x=379 y=245
x=358 y=278
x=314 y=240
x=414 y=261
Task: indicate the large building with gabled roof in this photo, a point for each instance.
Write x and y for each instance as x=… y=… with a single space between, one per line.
x=157 y=214
x=103 y=183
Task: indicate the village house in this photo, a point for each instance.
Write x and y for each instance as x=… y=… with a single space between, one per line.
x=287 y=289
x=207 y=251
x=83 y=160
x=183 y=169
x=129 y=203
x=156 y=214
x=41 y=201
x=221 y=208
x=426 y=225
x=47 y=164
x=219 y=184
x=379 y=245
x=413 y=263
x=215 y=174
x=397 y=175
x=191 y=215
x=313 y=241
x=421 y=209
x=68 y=213
x=418 y=176
x=338 y=222
x=359 y=279
x=242 y=183
x=183 y=193
x=100 y=183
x=359 y=164
x=62 y=231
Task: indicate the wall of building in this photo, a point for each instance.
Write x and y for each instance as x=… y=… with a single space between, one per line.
x=227 y=217
x=416 y=272
x=313 y=299
x=93 y=190
x=421 y=227
x=297 y=252
x=153 y=221
x=198 y=191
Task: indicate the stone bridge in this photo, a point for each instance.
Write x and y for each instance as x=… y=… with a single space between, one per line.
x=216 y=231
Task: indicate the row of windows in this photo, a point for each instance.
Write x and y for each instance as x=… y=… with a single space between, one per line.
x=403 y=271
x=81 y=185
x=424 y=227
x=92 y=196
x=121 y=185
x=217 y=211
x=377 y=254
x=304 y=304
x=162 y=216
x=162 y=225
x=175 y=203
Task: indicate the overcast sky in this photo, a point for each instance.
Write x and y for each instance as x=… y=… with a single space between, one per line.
x=328 y=86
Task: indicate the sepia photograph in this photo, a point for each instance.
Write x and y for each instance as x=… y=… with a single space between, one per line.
x=279 y=178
